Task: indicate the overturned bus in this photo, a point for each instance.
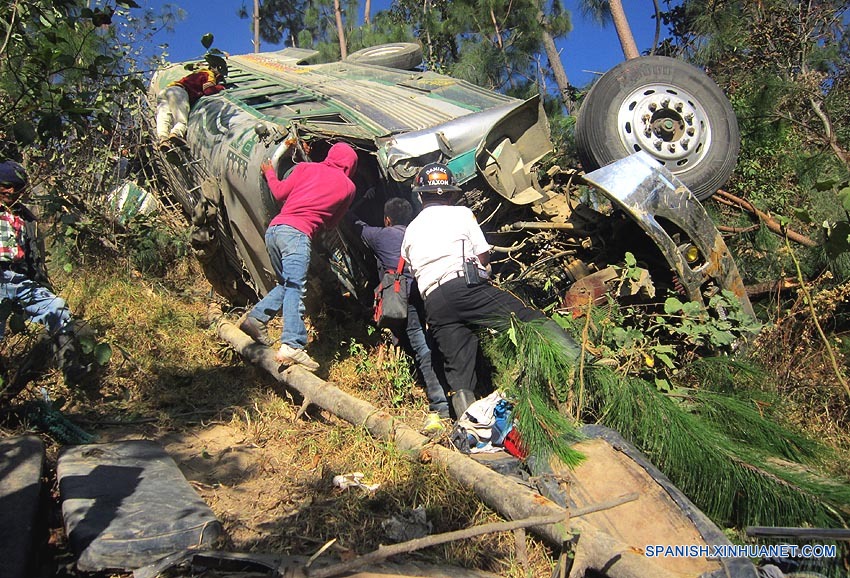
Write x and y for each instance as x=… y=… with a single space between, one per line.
x=659 y=133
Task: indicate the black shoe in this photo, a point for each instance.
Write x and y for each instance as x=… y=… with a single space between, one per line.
x=67 y=355
x=65 y=350
x=177 y=140
x=256 y=330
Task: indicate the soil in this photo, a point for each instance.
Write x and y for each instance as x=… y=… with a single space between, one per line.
x=238 y=479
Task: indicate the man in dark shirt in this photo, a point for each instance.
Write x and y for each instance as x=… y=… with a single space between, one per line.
x=385 y=242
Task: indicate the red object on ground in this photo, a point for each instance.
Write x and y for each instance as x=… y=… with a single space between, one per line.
x=514 y=446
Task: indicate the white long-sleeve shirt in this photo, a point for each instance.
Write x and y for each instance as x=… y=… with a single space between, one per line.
x=437 y=243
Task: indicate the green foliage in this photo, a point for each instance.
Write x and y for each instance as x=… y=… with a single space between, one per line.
x=391 y=372
x=654 y=342
x=278 y=18
x=151 y=246
x=724 y=469
x=60 y=69
x=693 y=323
x=489 y=43
x=717 y=441
x=532 y=369
x=100 y=352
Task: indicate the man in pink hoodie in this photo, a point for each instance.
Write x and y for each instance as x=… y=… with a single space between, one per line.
x=315 y=196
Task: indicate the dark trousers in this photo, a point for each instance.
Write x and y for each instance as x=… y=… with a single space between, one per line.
x=413 y=339
x=455 y=313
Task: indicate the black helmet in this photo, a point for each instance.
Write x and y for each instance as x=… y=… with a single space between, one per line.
x=435 y=178
x=217 y=62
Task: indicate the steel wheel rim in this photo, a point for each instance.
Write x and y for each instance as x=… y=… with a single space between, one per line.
x=668 y=123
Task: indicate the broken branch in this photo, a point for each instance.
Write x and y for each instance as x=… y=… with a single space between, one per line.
x=772 y=224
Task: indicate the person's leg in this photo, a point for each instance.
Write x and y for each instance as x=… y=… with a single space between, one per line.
x=164 y=115
x=295 y=260
x=6 y=300
x=42 y=306
x=272 y=303
x=458 y=344
x=415 y=341
x=180 y=110
x=490 y=307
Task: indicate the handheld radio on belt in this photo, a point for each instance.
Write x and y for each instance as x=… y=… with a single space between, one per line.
x=470 y=269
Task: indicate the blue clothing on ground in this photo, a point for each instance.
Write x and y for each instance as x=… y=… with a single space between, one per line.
x=39 y=303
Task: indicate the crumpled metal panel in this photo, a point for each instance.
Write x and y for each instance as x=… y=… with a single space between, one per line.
x=647 y=191
x=451 y=138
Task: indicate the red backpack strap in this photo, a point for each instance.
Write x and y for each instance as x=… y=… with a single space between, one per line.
x=400 y=269
x=398 y=274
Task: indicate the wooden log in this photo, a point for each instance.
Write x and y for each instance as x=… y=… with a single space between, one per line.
x=511 y=500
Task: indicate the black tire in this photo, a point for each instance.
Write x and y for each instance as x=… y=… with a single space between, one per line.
x=667 y=108
x=401 y=55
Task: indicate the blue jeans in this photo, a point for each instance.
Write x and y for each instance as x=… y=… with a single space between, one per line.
x=412 y=337
x=289 y=251
x=38 y=302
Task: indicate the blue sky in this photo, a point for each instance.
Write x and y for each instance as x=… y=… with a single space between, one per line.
x=587 y=49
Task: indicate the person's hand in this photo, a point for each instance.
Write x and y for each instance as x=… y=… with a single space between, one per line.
x=267 y=165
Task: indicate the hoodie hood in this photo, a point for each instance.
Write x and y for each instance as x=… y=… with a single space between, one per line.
x=342 y=157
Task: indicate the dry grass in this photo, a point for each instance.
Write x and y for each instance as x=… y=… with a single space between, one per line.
x=233 y=431
x=269 y=477
x=796 y=358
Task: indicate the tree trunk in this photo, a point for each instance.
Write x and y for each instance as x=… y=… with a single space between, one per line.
x=256 y=26
x=624 y=31
x=340 y=30
x=595 y=548
x=367 y=17
x=554 y=58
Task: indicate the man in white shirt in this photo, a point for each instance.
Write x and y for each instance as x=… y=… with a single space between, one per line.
x=449 y=257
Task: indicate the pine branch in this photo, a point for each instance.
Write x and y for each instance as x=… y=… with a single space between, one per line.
x=718 y=443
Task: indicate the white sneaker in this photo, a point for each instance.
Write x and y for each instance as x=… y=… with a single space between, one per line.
x=290 y=355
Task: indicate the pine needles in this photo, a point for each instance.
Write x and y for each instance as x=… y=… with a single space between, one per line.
x=716 y=440
x=534 y=372
x=725 y=462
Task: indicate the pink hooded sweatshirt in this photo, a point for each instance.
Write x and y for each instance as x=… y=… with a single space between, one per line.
x=316 y=195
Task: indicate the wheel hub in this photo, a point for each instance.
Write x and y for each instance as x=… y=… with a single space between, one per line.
x=666 y=122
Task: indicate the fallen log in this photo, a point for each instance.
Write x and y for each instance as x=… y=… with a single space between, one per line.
x=595 y=548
